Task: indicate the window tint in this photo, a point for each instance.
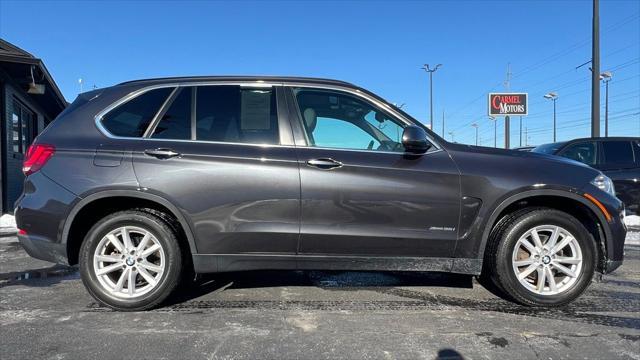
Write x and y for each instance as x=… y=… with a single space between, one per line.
x=338 y=120
x=175 y=123
x=132 y=118
x=235 y=114
x=387 y=126
x=336 y=133
x=617 y=153
x=585 y=152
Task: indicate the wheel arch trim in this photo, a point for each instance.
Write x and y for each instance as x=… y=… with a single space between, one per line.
x=186 y=227
x=607 y=241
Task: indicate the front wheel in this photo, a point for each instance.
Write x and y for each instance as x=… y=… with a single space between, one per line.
x=130 y=260
x=542 y=257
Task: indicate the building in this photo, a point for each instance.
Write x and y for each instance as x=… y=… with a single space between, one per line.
x=29 y=100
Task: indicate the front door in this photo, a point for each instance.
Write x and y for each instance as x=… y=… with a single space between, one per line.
x=362 y=195
x=216 y=153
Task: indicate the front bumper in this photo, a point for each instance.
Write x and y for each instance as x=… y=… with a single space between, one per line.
x=614 y=230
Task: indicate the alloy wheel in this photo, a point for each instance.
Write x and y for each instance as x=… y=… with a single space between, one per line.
x=129 y=262
x=547 y=260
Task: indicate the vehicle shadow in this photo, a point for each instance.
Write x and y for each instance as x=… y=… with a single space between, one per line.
x=597 y=306
x=329 y=280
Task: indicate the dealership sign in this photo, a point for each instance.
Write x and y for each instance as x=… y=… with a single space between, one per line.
x=508 y=104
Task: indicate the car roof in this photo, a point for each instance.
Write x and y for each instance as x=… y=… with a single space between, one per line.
x=231 y=78
x=628 y=138
x=605 y=138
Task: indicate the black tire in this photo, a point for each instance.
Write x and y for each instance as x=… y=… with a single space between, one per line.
x=499 y=268
x=166 y=236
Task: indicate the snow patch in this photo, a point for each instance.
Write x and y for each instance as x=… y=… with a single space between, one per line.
x=7 y=224
x=7 y=220
x=632 y=220
x=633 y=238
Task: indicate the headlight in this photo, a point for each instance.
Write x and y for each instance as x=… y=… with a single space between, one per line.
x=603 y=183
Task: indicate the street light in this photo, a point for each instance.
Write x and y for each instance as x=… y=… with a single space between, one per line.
x=451 y=134
x=476 y=126
x=606 y=76
x=495 y=131
x=553 y=96
x=431 y=71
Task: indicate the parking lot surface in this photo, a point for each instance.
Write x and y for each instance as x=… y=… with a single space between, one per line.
x=46 y=313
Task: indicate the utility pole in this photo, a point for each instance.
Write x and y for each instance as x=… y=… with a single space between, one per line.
x=476 y=126
x=553 y=96
x=520 y=130
x=595 y=72
x=606 y=76
x=507 y=121
x=443 y=124
x=431 y=71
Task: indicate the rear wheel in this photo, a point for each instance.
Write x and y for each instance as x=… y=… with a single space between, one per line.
x=542 y=257
x=130 y=260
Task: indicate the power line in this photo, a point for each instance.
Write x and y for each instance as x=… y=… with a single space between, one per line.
x=530 y=68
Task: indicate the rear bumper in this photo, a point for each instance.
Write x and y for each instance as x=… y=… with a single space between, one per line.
x=43 y=249
x=40 y=212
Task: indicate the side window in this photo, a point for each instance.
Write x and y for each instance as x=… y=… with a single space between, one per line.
x=585 y=152
x=335 y=119
x=175 y=123
x=132 y=118
x=617 y=153
x=23 y=127
x=236 y=114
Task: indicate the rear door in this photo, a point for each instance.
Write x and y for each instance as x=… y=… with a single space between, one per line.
x=223 y=156
x=619 y=161
x=362 y=195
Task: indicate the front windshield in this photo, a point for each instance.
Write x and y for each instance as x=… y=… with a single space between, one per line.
x=548 y=148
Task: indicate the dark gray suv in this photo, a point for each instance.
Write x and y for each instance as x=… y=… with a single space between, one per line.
x=146 y=181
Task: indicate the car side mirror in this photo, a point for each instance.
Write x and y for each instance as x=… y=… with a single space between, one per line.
x=414 y=140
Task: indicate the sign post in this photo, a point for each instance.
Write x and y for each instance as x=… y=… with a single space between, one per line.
x=508 y=104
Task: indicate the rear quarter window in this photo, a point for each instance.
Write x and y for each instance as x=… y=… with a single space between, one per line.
x=132 y=118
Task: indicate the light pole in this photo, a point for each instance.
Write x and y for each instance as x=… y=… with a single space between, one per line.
x=431 y=71
x=476 y=126
x=553 y=96
x=606 y=76
x=595 y=73
x=495 y=131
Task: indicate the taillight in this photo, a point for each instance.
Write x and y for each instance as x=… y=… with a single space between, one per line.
x=37 y=155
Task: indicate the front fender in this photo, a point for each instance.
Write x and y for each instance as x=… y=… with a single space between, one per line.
x=474 y=246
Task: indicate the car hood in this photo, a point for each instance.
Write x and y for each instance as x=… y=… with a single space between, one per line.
x=515 y=154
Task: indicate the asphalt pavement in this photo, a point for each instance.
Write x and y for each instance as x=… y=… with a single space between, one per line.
x=45 y=313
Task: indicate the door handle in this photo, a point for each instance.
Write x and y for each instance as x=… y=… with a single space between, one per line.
x=324 y=164
x=161 y=153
